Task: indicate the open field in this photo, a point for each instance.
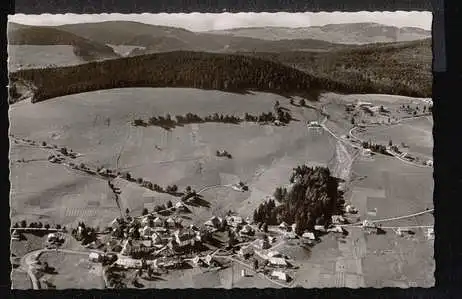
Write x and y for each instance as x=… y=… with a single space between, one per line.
x=39 y=56
x=72 y=270
x=20 y=280
x=273 y=151
x=415 y=133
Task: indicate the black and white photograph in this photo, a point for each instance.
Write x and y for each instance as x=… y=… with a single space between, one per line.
x=221 y=150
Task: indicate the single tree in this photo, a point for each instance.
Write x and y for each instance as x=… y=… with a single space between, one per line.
x=127 y=211
x=302 y=102
x=265 y=227
x=145 y=211
x=169 y=204
x=390 y=143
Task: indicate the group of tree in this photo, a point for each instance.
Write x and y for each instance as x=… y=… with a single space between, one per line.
x=232 y=73
x=83 y=233
x=168 y=123
x=312 y=200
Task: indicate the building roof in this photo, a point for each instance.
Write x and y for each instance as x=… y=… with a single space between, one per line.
x=277 y=261
x=309 y=235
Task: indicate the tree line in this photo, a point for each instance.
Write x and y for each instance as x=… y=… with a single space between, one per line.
x=227 y=72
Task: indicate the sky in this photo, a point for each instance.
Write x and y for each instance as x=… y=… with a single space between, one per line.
x=209 y=21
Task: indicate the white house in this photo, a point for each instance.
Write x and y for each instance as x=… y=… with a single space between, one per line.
x=280 y=275
x=429 y=163
x=95 y=257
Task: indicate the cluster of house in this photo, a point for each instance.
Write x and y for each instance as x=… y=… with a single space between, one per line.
x=237 y=223
x=157 y=233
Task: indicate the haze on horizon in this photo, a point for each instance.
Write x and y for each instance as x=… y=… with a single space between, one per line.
x=209 y=21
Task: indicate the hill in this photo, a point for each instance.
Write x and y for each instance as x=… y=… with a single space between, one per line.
x=352 y=33
x=237 y=73
x=397 y=66
x=163 y=39
x=40 y=35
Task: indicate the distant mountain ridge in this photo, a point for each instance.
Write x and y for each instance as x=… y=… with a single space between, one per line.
x=351 y=33
x=88 y=50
